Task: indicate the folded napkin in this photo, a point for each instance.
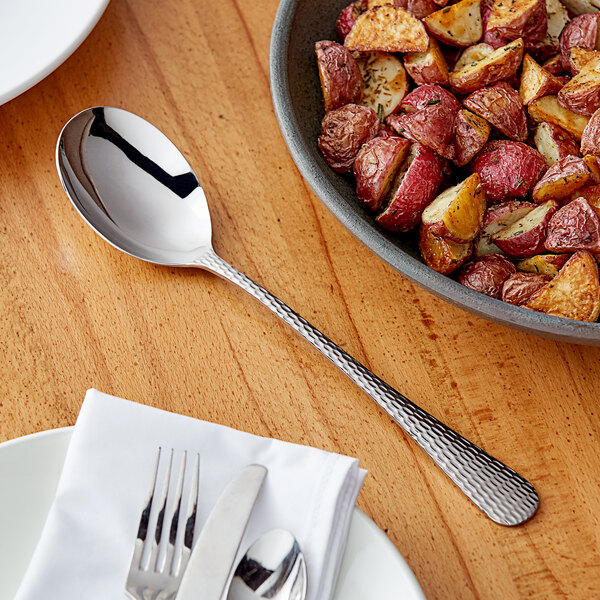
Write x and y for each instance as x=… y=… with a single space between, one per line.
x=86 y=545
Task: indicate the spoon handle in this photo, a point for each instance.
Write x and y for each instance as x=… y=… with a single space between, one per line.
x=501 y=493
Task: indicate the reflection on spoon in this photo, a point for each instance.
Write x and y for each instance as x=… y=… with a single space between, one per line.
x=273 y=567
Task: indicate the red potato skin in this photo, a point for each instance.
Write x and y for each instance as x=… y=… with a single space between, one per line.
x=417 y=8
x=343 y=131
x=574 y=227
x=585 y=102
x=432 y=126
x=531 y=242
x=590 y=140
x=493 y=38
x=487 y=274
x=341 y=80
x=467 y=141
x=582 y=31
x=347 y=18
x=374 y=168
x=554 y=65
x=566 y=167
x=519 y=288
x=429 y=94
x=417 y=189
x=496 y=217
x=532 y=27
x=501 y=105
x=508 y=169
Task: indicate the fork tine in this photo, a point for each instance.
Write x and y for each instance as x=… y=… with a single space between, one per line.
x=182 y=539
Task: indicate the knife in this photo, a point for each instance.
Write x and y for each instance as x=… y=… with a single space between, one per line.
x=214 y=552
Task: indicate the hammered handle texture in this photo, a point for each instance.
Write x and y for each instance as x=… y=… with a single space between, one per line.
x=501 y=493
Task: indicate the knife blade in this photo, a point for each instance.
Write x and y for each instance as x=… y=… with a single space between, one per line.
x=214 y=552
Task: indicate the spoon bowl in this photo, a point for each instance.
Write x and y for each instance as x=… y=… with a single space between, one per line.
x=133 y=186
x=135 y=189
x=273 y=567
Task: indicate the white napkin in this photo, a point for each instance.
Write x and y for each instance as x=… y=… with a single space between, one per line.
x=86 y=545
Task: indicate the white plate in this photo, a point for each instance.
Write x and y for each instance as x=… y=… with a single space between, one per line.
x=372 y=568
x=36 y=36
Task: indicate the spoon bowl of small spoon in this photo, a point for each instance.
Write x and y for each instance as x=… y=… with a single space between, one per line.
x=273 y=567
x=136 y=190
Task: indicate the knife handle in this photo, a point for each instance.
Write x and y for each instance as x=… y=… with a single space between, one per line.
x=501 y=493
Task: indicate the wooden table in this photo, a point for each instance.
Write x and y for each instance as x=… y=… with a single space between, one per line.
x=75 y=313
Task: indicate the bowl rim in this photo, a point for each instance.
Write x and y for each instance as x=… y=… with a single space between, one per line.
x=441 y=286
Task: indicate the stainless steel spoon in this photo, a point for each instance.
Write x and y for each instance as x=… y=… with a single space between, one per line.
x=137 y=191
x=273 y=567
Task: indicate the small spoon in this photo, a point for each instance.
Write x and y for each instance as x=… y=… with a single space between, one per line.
x=136 y=190
x=273 y=567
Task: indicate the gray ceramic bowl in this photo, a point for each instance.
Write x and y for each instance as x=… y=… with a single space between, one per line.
x=299 y=108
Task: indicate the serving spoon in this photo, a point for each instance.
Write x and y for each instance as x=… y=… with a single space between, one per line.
x=273 y=567
x=136 y=190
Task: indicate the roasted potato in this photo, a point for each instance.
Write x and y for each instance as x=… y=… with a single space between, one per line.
x=508 y=169
x=543 y=264
x=580 y=7
x=592 y=194
x=580 y=57
x=347 y=18
x=582 y=93
x=457 y=213
x=472 y=54
x=500 y=64
x=554 y=65
x=590 y=139
x=433 y=126
x=526 y=236
x=548 y=109
x=375 y=166
x=498 y=217
x=500 y=105
x=458 y=24
x=593 y=164
x=519 y=288
x=387 y=29
x=487 y=274
x=574 y=293
x=554 y=143
x=442 y=255
x=418 y=8
x=340 y=76
x=557 y=17
x=414 y=187
x=536 y=81
x=582 y=32
x=343 y=131
x=429 y=95
x=525 y=19
x=471 y=133
x=384 y=82
x=561 y=179
x=574 y=227
x=427 y=67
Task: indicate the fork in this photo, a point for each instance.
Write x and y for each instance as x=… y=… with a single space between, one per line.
x=166 y=530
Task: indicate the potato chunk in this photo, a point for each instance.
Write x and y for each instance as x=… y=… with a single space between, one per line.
x=548 y=109
x=514 y=19
x=388 y=29
x=384 y=82
x=500 y=64
x=457 y=213
x=471 y=133
x=582 y=93
x=442 y=255
x=427 y=67
x=554 y=143
x=487 y=274
x=574 y=293
x=574 y=227
x=536 y=81
x=457 y=25
x=561 y=179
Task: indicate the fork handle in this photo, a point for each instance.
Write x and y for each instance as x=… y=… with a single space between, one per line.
x=501 y=493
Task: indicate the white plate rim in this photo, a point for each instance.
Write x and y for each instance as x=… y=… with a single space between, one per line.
x=55 y=60
x=362 y=528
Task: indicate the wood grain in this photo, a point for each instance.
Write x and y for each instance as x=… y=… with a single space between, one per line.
x=75 y=313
